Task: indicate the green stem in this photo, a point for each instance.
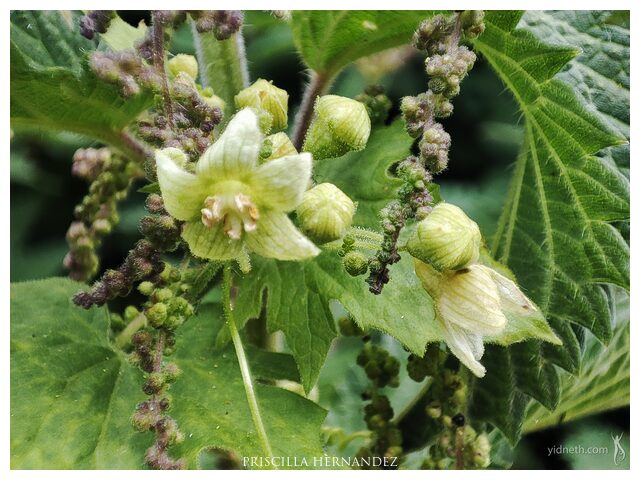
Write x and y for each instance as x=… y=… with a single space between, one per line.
x=244 y=364
x=124 y=337
x=223 y=65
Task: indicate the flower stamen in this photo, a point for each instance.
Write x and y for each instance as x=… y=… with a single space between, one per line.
x=237 y=212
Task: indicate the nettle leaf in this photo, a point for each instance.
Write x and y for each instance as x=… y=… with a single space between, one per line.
x=52 y=86
x=364 y=175
x=122 y=36
x=600 y=74
x=555 y=232
x=211 y=408
x=328 y=40
x=604 y=379
x=72 y=392
x=298 y=303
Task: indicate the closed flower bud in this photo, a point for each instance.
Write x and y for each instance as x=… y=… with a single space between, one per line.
x=339 y=125
x=146 y=288
x=355 y=263
x=325 y=213
x=265 y=97
x=447 y=239
x=182 y=63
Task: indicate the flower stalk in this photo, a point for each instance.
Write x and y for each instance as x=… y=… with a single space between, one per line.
x=249 y=388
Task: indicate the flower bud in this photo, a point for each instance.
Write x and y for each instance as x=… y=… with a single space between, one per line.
x=325 y=213
x=265 y=97
x=481 y=451
x=355 y=264
x=447 y=239
x=183 y=63
x=339 y=125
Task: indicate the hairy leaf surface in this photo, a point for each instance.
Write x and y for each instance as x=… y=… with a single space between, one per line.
x=330 y=39
x=556 y=231
x=52 y=86
x=298 y=303
x=602 y=384
x=73 y=392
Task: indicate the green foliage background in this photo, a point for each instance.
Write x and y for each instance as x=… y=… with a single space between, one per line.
x=488 y=131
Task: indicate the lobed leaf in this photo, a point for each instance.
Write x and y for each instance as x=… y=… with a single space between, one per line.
x=298 y=298
x=556 y=231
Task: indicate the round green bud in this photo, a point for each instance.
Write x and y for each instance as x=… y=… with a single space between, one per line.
x=183 y=63
x=434 y=410
x=157 y=314
x=146 y=288
x=355 y=263
x=163 y=294
x=130 y=313
x=213 y=100
x=325 y=213
x=265 y=97
x=339 y=125
x=447 y=239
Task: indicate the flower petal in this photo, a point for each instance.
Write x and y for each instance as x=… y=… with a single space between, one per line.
x=467 y=346
x=235 y=153
x=211 y=243
x=510 y=294
x=277 y=237
x=182 y=192
x=470 y=300
x=281 y=183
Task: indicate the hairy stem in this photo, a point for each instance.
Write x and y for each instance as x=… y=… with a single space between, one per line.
x=244 y=364
x=223 y=65
x=124 y=337
x=317 y=85
x=158 y=62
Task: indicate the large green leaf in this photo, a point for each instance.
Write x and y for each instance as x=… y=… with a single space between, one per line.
x=52 y=86
x=299 y=296
x=364 y=175
x=603 y=383
x=328 y=40
x=555 y=232
x=73 y=392
x=210 y=404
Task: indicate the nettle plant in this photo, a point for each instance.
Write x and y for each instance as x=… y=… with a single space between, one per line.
x=260 y=247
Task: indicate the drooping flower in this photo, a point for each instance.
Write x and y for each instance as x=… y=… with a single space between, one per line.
x=232 y=204
x=472 y=304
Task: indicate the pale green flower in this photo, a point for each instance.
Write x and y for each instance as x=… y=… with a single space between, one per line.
x=472 y=304
x=231 y=204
